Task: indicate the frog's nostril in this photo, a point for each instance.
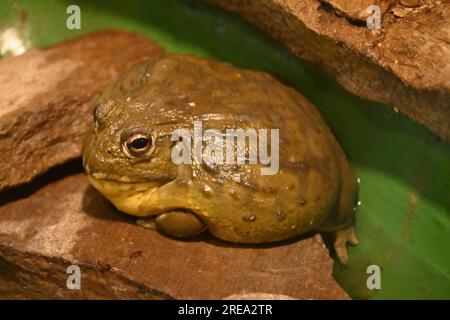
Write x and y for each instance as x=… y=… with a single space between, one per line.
x=109 y=151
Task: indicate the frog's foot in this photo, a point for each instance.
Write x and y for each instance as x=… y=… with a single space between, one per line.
x=343 y=237
x=180 y=224
x=148 y=222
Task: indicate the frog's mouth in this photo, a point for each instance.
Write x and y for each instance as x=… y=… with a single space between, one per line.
x=139 y=198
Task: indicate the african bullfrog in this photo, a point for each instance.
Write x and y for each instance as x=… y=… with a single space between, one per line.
x=129 y=156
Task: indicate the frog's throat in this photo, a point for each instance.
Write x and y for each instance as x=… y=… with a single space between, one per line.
x=131 y=198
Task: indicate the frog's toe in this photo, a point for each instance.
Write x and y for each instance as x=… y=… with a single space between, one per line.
x=343 y=237
x=148 y=223
x=180 y=224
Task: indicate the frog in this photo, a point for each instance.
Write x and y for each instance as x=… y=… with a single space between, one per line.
x=129 y=156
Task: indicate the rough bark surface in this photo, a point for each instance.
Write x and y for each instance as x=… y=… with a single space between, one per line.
x=405 y=64
x=47 y=97
x=47 y=227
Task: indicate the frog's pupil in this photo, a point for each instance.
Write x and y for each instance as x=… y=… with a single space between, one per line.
x=139 y=143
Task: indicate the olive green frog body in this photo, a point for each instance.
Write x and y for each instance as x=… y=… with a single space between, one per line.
x=129 y=156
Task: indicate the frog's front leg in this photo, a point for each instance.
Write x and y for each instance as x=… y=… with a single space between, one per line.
x=177 y=223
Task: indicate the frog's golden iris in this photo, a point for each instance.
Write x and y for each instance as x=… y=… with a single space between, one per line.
x=128 y=155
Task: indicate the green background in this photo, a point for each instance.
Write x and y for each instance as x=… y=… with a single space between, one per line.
x=403 y=222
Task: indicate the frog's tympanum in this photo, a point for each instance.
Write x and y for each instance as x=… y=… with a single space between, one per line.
x=129 y=157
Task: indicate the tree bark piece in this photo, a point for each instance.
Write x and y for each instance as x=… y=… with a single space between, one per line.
x=68 y=222
x=47 y=97
x=405 y=64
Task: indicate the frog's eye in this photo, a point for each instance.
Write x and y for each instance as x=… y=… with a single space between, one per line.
x=138 y=145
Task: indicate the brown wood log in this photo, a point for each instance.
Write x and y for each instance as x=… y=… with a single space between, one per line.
x=48 y=95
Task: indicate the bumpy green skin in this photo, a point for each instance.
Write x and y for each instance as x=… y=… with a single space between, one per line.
x=315 y=187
